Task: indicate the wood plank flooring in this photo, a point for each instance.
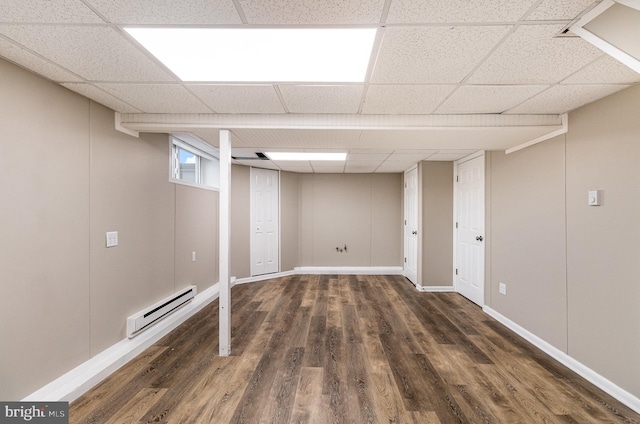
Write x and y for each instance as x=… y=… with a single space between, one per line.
x=346 y=349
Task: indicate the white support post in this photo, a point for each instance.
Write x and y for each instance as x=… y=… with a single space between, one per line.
x=224 y=319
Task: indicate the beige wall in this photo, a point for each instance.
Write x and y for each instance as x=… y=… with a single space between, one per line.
x=196 y=221
x=437 y=223
x=361 y=211
x=571 y=269
x=603 y=152
x=240 y=221
x=289 y=220
x=44 y=228
x=70 y=177
x=528 y=239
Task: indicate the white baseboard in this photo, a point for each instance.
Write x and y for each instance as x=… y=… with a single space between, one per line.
x=587 y=373
x=79 y=380
x=349 y=270
x=435 y=289
x=264 y=277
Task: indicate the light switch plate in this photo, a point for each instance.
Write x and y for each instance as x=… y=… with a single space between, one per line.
x=594 y=198
x=502 y=288
x=112 y=238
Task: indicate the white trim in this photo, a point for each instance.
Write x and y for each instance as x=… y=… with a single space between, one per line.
x=634 y=4
x=613 y=51
x=262 y=277
x=349 y=270
x=162 y=122
x=119 y=127
x=224 y=245
x=405 y=240
x=194 y=185
x=198 y=151
x=563 y=130
x=587 y=373
x=79 y=380
x=435 y=289
x=456 y=164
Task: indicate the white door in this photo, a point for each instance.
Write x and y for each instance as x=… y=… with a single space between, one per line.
x=264 y=221
x=469 y=278
x=411 y=225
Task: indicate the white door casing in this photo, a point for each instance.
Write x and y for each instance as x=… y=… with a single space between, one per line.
x=469 y=232
x=411 y=225
x=265 y=233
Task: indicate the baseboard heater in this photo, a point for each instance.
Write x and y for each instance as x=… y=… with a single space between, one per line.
x=138 y=322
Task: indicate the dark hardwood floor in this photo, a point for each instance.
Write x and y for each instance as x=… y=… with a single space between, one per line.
x=346 y=349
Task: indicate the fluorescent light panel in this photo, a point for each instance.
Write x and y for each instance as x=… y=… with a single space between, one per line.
x=261 y=54
x=306 y=156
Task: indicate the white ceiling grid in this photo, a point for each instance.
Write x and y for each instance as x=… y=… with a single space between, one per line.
x=440 y=58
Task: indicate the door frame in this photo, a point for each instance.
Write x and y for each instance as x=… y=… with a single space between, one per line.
x=455 y=220
x=252 y=221
x=418 y=250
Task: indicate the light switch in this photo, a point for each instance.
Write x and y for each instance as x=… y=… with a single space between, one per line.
x=594 y=198
x=112 y=238
x=193 y=256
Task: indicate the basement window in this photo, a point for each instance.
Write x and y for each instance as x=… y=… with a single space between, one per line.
x=192 y=166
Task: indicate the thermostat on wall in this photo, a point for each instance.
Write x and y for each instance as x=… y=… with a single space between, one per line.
x=594 y=197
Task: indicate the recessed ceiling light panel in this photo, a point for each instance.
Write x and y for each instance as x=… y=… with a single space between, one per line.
x=261 y=54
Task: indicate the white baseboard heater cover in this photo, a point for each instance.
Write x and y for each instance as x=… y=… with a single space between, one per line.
x=154 y=313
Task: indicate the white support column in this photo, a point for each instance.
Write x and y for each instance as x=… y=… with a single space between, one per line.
x=225 y=244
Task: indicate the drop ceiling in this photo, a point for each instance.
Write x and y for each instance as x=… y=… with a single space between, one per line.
x=445 y=79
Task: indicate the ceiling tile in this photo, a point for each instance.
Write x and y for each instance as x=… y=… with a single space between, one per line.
x=168 y=11
x=564 y=98
x=328 y=169
x=101 y=97
x=361 y=167
x=559 y=9
x=367 y=157
x=366 y=151
x=95 y=53
x=404 y=99
x=604 y=70
x=415 y=151
x=312 y=12
x=488 y=98
x=291 y=167
x=446 y=157
x=59 y=11
x=33 y=62
x=435 y=11
x=239 y=98
x=395 y=167
x=322 y=98
x=410 y=157
x=156 y=98
x=433 y=54
x=327 y=164
x=531 y=55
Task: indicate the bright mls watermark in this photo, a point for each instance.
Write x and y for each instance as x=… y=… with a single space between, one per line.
x=34 y=412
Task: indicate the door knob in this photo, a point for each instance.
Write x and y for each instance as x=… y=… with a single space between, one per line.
x=479 y=238
x=414 y=232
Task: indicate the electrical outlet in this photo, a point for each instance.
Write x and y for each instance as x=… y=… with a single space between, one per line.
x=503 y=289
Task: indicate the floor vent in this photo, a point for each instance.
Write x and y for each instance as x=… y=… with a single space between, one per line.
x=143 y=319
